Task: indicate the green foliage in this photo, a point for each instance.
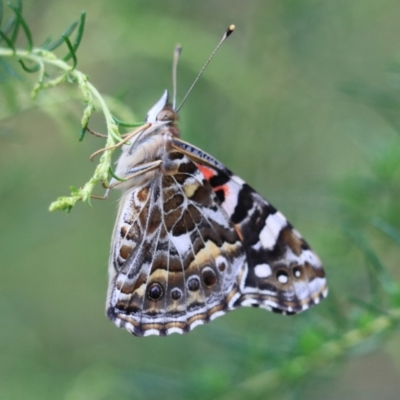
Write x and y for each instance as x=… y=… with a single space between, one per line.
x=42 y=58
x=52 y=290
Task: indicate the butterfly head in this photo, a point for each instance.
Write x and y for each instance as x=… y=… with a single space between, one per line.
x=162 y=111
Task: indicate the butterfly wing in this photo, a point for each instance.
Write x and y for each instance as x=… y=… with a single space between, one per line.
x=175 y=256
x=282 y=273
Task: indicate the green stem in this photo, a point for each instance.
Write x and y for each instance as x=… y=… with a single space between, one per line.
x=42 y=58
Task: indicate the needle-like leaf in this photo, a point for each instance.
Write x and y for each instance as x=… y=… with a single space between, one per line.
x=58 y=42
x=79 y=35
x=31 y=70
x=18 y=7
x=20 y=20
x=127 y=124
x=71 y=53
x=8 y=26
x=7 y=40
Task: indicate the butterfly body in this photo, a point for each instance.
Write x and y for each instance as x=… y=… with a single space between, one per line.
x=193 y=241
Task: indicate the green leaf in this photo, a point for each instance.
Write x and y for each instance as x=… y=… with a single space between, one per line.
x=78 y=36
x=7 y=40
x=127 y=124
x=8 y=26
x=71 y=53
x=115 y=176
x=82 y=133
x=24 y=25
x=61 y=40
x=74 y=190
x=45 y=43
x=15 y=31
x=31 y=70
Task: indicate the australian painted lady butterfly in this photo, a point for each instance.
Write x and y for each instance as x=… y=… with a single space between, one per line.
x=193 y=241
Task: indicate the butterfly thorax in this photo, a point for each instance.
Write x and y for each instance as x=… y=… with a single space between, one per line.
x=146 y=149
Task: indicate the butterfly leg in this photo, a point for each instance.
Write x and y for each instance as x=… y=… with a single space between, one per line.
x=130 y=136
x=137 y=171
x=105 y=197
x=142 y=169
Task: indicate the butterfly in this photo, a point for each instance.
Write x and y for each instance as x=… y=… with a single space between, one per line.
x=193 y=241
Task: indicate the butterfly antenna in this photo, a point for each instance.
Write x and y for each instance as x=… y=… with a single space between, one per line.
x=226 y=34
x=177 y=53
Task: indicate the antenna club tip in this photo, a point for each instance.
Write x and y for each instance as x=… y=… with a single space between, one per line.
x=230 y=29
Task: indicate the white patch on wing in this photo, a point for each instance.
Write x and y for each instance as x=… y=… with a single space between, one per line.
x=233 y=300
x=306 y=256
x=191 y=180
x=316 y=284
x=117 y=322
x=196 y=323
x=216 y=315
x=149 y=332
x=128 y=326
x=269 y=304
x=256 y=290
x=248 y=302
x=166 y=320
x=262 y=270
x=283 y=278
x=311 y=258
x=216 y=216
x=240 y=181
x=305 y=307
x=182 y=243
x=273 y=226
x=121 y=296
x=174 y=330
x=231 y=273
x=302 y=291
x=197 y=311
x=231 y=199
x=242 y=283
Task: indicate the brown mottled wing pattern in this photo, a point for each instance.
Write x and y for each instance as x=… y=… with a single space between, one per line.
x=282 y=273
x=176 y=255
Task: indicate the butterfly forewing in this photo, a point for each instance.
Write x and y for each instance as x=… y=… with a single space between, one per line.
x=282 y=273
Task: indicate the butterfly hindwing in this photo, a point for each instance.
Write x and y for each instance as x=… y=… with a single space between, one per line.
x=282 y=273
x=175 y=254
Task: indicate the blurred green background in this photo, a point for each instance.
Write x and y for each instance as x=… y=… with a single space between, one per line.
x=302 y=101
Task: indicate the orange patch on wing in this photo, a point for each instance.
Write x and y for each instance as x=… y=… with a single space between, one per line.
x=224 y=188
x=207 y=172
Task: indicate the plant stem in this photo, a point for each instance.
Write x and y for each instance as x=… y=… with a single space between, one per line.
x=41 y=58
